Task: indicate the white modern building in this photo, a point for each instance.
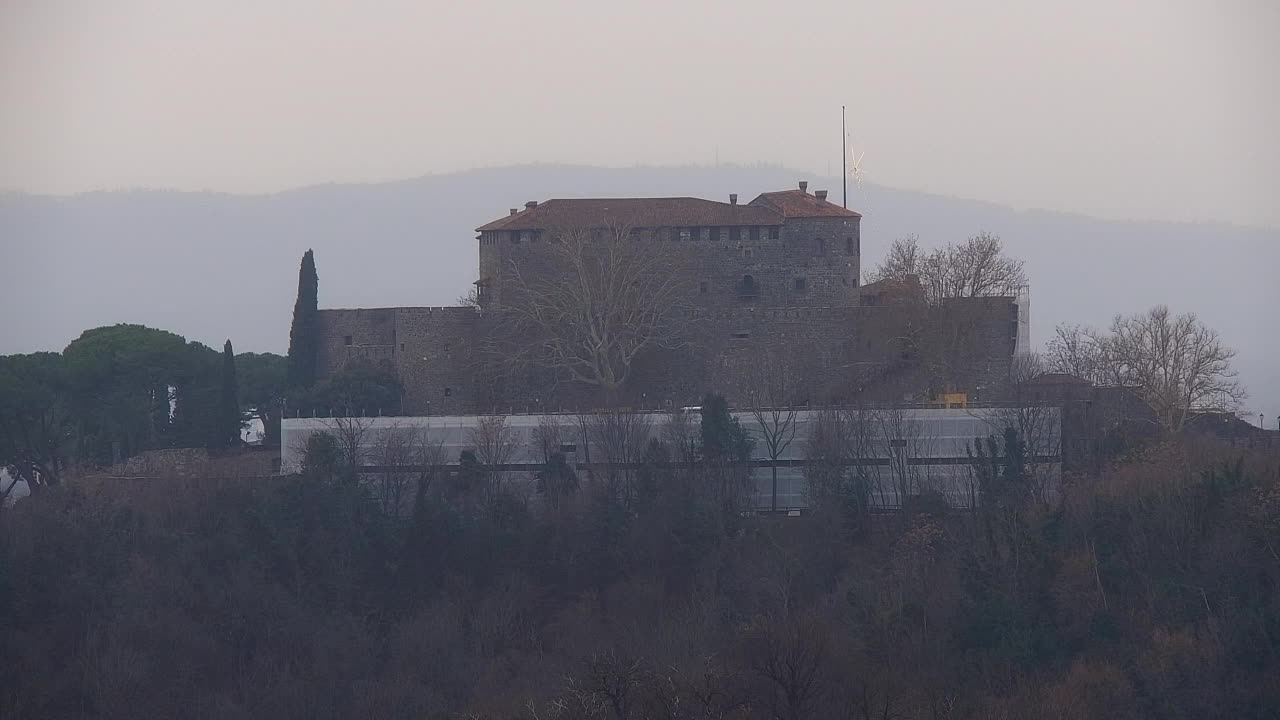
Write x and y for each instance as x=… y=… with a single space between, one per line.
x=922 y=449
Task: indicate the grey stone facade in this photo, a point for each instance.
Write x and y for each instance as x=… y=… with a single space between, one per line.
x=431 y=348
x=777 y=276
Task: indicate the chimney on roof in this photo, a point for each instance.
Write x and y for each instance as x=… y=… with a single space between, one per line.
x=804 y=186
x=733 y=198
x=514 y=211
x=820 y=194
x=531 y=205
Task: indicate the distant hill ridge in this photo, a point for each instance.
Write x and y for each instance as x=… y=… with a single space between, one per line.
x=216 y=265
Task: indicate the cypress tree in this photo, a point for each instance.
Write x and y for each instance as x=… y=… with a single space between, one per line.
x=304 y=340
x=229 y=424
x=723 y=437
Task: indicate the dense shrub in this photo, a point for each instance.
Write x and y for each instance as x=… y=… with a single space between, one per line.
x=1150 y=590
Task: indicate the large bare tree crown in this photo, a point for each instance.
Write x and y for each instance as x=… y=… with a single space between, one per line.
x=1176 y=363
x=976 y=267
x=610 y=298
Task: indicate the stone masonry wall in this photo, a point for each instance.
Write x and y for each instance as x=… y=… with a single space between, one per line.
x=348 y=336
x=835 y=354
x=814 y=262
x=435 y=358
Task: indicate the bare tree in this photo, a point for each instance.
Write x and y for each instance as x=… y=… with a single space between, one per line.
x=842 y=447
x=395 y=451
x=1177 y=364
x=354 y=452
x=620 y=438
x=977 y=267
x=1079 y=351
x=681 y=435
x=825 y=455
x=613 y=297
x=548 y=436
x=1038 y=423
x=903 y=439
x=494 y=445
x=774 y=405
x=429 y=454
x=904 y=259
x=792 y=658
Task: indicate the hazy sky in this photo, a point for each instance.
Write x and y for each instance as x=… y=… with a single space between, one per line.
x=1144 y=109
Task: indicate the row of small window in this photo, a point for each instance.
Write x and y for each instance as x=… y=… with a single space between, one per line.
x=685 y=234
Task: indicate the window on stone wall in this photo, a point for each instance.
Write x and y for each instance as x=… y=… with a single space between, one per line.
x=713 y=234
x=801 y=284
x=346 y=340
x=735 y=234
x=773 y=233
x=740 y=335
x=822 y=246
x=686 y=234
x=747 y=288
x=702 y=287
x=748 y=253
x=448 y=392
x=401 y=347
x=567 y=448
x=755 y=233
x=515 y=236
x=848 y=246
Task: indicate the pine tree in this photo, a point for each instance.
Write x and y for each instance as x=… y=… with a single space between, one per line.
x=229 y=422
x=304 y=340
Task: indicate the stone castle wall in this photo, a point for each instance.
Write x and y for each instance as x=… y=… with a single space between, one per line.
x=357 y=335
x=431 y=348
x=811 y=262
x=436 y=358
x=829 y=354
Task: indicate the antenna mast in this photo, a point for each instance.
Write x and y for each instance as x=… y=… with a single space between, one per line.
x=844 y=159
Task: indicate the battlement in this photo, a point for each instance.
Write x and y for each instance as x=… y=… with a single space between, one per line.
x=410 y=309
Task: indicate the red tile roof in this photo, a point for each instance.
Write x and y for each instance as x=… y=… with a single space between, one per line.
x=800 y=204
x=635 y=212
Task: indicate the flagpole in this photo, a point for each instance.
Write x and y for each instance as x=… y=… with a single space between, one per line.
x=844 y=158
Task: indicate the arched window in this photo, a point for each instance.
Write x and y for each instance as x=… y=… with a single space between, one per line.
x=748 y=286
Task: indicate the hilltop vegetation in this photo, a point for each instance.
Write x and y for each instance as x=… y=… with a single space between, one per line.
x=1152 y=590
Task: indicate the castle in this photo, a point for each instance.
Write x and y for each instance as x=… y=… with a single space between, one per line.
x=777 y=277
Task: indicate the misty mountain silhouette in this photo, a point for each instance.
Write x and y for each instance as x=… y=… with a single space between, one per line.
x=211 y=266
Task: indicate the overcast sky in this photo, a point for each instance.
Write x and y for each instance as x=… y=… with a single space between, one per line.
x=1135 y=109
